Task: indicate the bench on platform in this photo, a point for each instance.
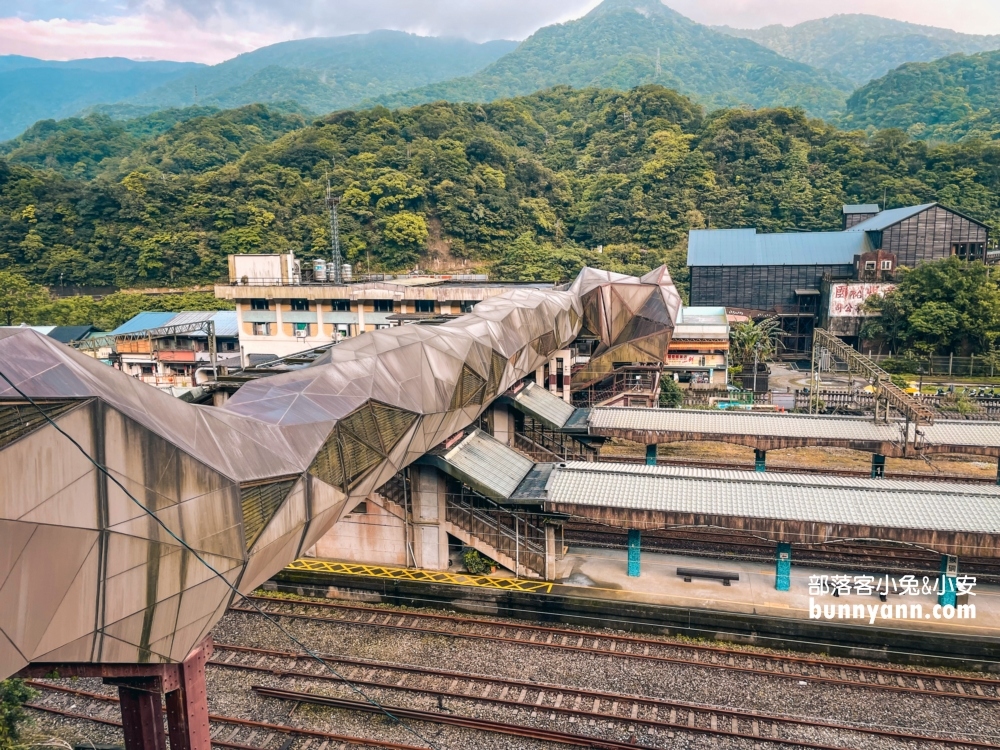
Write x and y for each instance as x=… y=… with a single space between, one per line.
x=718 y=575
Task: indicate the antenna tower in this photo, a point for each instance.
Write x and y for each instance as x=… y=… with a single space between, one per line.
x=331 y=204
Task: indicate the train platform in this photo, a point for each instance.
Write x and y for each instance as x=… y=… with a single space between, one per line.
x=596 y=572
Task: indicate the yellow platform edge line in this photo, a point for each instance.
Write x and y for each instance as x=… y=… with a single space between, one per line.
x=418 y=574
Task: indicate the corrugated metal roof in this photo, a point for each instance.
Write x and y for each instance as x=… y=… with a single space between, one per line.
x=144 y=321
x=791 y=497
x=961 y=433
x=487 y=465
x=742 y=423
x=861 y=208
x=225 y=321
x=544 y=405
x=745 y=247
x=886 y=219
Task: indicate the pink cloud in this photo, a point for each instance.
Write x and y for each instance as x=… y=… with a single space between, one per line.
x=173 y=35
x=968 y=16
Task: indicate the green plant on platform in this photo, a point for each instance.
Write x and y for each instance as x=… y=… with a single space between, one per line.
x=476 y=563
x=899 y=381
x=671 y=394
x=957 y=402
x=13 y=695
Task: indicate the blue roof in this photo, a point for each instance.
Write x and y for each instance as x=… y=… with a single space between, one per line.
x=225 y=322
x=886 y=219
x=745 y=247
x=143 y=321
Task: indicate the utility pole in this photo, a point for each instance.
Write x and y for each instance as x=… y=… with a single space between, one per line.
x=332 y=201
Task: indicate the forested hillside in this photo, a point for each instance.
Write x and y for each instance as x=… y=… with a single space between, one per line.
x=948 y=99
x=862 y=47
x=625 y=43
x=525 y=188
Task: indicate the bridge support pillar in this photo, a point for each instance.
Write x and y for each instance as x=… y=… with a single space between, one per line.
x=878 y=466
x=634 y=545
x=430 y=539
x=948 y=582
x=783 y=567
x=550 y=552
x=503 y=424
x=651 y=455
x=759 y=460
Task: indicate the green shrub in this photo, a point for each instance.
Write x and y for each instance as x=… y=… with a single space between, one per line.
x=476 y=563
x=13 y=694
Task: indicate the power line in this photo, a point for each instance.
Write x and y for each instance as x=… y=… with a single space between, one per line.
x=104 y=470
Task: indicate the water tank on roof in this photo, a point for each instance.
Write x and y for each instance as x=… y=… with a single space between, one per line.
x=319 y=270
x=346 y=273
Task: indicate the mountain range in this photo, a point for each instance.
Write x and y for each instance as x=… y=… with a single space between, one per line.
x=32 y=89
x=862 y=47
x=620 y=44
x=626 y=43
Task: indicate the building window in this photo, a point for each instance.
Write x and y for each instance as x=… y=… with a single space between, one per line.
x=869 y=265
x=382 y=305
x=341 y=305
x=343 y=331
x=300 y=305
x=423 y=306
x=260 y=304
x=467 y=305
x=261 y=329
x=301 y=330
x=886 y=265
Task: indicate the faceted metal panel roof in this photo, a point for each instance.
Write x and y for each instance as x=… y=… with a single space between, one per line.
x=487 y=465
x=737 y=423
x=539 y=402
x=745 y=247
x=249 y=486
x=887 y=218
x=790 y=497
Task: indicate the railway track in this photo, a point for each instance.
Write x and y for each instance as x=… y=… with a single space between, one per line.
x=875 y=678
x=237 y=733
x=568 y=703
x=226 y=731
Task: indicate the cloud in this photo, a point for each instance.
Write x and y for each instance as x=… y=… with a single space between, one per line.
x=968 y=16
x=168 y=35
x=479 y=20
x=214 y=30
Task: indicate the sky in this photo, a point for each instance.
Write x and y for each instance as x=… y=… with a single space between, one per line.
x=211 y=31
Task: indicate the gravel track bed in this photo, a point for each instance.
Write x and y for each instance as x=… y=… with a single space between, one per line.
x=918 y=714
x=679 y=641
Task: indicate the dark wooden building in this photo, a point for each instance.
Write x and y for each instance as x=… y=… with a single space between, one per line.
x=783 y=273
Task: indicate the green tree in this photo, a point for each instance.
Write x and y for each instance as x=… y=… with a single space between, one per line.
x=751 y=340
x=19 y=298
x=671 y=394
x=405 y=235
x=941 y=307
x=13 y=695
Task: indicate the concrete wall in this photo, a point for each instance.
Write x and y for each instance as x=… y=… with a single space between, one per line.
x=376 y=537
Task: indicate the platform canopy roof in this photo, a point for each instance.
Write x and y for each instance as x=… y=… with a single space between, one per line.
x=935 y=506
